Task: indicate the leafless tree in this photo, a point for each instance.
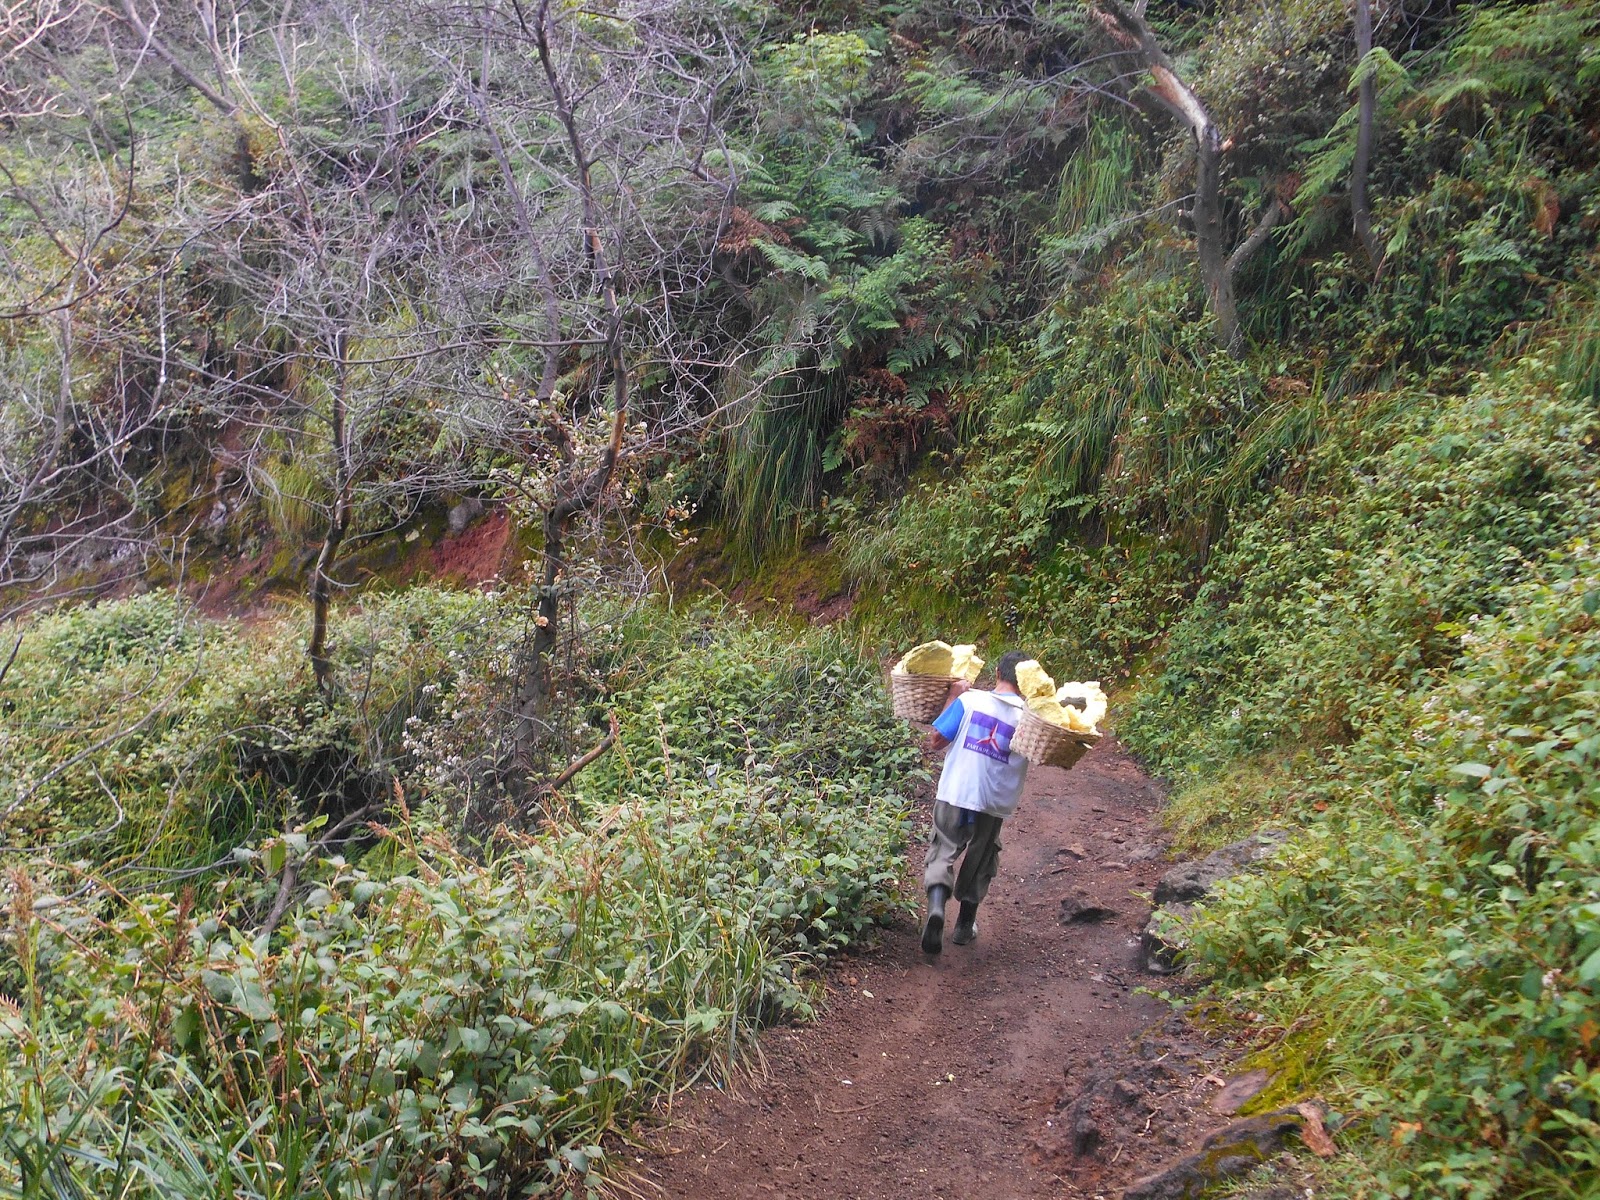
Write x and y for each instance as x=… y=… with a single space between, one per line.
x=281 y=290
x=613 y=187
x=500 y=232
x=74 y=439
x=1219 y=265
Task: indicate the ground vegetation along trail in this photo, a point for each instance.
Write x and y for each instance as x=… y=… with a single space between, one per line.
x=941 y=1077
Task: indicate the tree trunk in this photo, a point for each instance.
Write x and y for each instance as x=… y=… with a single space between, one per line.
x=1360 y=208
x=1218 y=267
x=1210 y=232
x=338 y=525
x=533 y=691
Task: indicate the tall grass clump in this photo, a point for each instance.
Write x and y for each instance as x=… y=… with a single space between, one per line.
x=1103 y=459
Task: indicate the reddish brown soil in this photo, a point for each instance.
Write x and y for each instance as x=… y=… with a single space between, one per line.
x=824 y=608
x=949 y=1077
x=477 y=555
x=480 y=554
x=234 y=588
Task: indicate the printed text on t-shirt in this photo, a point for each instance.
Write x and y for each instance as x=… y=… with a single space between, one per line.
x=989 y=736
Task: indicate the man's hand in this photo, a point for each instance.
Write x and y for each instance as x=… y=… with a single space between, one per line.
x=956 y=688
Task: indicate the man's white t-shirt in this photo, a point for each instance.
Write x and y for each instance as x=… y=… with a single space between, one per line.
x=981 y=772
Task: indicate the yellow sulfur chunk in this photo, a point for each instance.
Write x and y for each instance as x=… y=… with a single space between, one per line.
x=1079 y=707
x=930 y=658
x=965 y=663
x=1086 y=718
x=1046 y=709
x=1034 y=683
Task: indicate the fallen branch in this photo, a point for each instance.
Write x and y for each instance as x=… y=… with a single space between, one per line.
x=291 y=868
x=604 y=744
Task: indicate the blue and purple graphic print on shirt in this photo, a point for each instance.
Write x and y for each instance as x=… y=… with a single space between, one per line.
x=989 y=736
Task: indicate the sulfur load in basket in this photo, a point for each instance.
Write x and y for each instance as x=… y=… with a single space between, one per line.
x=919 y=682
x=1060 y=724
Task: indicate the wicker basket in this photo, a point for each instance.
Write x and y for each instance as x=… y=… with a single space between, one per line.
x=1047 y=745
x=918 y=697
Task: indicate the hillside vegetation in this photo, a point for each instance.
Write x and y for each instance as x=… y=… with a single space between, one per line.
x=438 y=1013
x=1246 y=353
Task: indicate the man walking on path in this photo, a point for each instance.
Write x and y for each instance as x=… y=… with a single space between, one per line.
x=978 y=789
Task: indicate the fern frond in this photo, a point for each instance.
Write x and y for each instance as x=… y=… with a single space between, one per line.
x=1452 y=90
x=785 y=258
x=771 y=211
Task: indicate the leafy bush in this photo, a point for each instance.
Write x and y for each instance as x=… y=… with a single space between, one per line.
x=434 y=1023
x=1322 y=609
x=1438 y=929
x=141 y=735
x=1420 y=623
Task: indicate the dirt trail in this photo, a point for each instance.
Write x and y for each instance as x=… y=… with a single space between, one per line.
x=943 y=1077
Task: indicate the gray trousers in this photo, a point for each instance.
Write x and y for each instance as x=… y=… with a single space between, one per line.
x=954 y=830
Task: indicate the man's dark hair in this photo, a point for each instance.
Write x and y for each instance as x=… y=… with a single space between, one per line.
x=1006 y=668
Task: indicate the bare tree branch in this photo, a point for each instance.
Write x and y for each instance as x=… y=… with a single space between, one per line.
x=1366 y=119
x=147 y=31
x=1218 y=267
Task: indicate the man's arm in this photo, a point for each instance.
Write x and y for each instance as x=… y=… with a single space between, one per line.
x=947 y=722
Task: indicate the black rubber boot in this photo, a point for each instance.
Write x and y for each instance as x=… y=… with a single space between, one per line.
x=933 y=927
x=966 y=930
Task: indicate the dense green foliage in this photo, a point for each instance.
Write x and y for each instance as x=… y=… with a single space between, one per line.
x=1348 y=576
x=143 y=739
x=430 y=1020
x=918 y=278
x=1424 y=618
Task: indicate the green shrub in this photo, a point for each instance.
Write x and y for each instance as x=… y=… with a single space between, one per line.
x=460 y=1028
x=139 y=734
x=1342 y=596
x=1418 y=628
x=434 y=1022
x=1439 y=925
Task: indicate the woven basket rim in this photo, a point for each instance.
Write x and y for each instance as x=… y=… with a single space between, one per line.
x=1032 y=718
x=1045 y=744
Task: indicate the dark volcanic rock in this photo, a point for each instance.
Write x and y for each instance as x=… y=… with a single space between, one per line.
x=1190 y=881
x=1126 y=1092
x=1163 y=940
x=462 y=515
x=1230 y=1151
x=1078 y=909
x=1079 y=1116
